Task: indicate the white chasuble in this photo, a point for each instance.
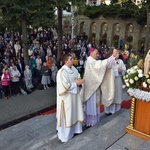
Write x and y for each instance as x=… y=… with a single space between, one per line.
x=68 y=98
x=99 y=80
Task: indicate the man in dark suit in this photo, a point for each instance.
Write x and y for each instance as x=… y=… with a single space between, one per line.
x=21 y=67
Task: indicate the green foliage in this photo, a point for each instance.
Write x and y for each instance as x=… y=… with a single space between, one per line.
x=114 y=1
x=37 y=13
x=128 y=10
x=92 y=11
x=126 y=13
x=142 y=40
x=111 y=10
x=141 y=16
x=44 y=17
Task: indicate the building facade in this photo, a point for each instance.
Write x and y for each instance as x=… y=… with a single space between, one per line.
x=112 y=29
x=97 y=2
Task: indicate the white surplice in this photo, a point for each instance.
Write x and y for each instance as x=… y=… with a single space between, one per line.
x=69 y=106
x=116 y=105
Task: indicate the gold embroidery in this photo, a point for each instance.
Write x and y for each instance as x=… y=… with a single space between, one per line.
x=74 y=123
x=62 y=82
x=63 y=108
x=62 y=93
x=62 y=103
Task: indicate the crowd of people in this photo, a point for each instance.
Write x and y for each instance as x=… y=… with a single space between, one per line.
x=78 y=100
x=17 y=78
x=42 y=51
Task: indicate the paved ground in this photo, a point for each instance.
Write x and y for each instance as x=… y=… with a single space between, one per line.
x=18 y=106
x=39 y=133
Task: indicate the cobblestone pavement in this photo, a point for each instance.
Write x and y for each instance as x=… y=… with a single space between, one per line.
x=19 y=106
x=39 y=133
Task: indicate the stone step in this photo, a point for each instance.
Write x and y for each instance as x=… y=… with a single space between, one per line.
x=51 y=141
x=102 y=135
x=39 y=133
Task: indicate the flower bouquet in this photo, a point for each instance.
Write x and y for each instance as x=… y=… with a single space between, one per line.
x=146 y=82
x=134 y=77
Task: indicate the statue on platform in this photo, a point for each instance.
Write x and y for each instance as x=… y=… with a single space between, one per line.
x=147 y=63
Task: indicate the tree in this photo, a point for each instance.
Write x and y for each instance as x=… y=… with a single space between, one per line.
x=114 y=1
x=22 y=12
x=62 y=4
x=59 y=52
x=44 y=17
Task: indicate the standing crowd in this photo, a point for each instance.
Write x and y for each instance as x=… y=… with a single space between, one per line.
x=86 y=76
x=16 y=77
x=42 y=69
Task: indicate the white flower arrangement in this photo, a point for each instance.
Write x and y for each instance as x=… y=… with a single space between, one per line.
x=134 y=77
x=146 y=82
x=139 y=94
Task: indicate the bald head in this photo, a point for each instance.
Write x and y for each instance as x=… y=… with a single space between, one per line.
x=116 y=53
x=94 y=54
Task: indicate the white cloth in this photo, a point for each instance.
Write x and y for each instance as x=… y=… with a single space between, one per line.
x=139 y=94
x=116 y=105
x=17 y=48
x=98 y=78
x=15 y=75
x=65 y=134
x=92 y=113
x=38 y=63
x=112 y=108
x=95 y=74
x=69 y=105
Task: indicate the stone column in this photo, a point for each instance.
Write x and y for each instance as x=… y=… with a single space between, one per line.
x=109 y=35
x=122 y=32
x=97 y=33
x=88 y=25
x=135 y=35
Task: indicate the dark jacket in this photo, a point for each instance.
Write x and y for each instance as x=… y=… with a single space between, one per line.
x=44 y=69
x=21 y=68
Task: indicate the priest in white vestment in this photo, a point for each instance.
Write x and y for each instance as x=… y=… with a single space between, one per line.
x=119 y=70
x=69 y=105
x=98 y=86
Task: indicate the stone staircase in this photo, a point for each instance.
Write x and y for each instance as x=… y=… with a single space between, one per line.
x=39 y=133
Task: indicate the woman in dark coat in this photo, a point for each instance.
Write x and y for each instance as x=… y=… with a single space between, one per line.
x=45 y=76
